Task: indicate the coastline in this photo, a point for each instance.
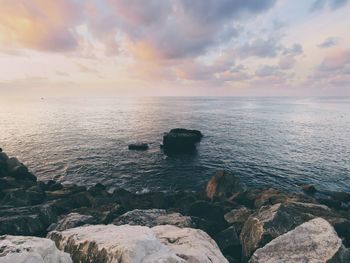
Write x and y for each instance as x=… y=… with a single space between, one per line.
x=239 y=221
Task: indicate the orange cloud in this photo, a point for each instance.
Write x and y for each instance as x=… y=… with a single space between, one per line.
x=39 y=24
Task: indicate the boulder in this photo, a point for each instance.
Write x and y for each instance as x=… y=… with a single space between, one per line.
x=314 y=241
x=72 y=220
x=309 y=189
x=270 y=222
x=238 y=215
x=181 y=140
x=110 y=243
x=19 y=170
x=229 y=243
x=20 y=197
x=153 y=217
x=223 y=184
x=29 y=220
x=22 y=249
x=138 y=146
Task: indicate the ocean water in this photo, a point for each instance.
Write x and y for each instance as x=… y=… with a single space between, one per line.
x=268 y=142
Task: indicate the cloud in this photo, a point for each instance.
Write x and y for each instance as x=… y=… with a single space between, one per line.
x=330 y=42
x=332 y=4
x=172 y=29
x=261 y=48
x=39 y=24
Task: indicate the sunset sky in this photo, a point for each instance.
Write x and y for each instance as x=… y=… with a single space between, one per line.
x=175 y=47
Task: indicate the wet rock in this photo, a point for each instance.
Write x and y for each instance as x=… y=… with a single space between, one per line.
x=229 y=242
x=29 y=220
x=309 y=188
x=153 y=217
x=105 y=243
x=270 y=222
x=20 y=197
x=19 y=170
x=181 y=140
x=30 y=249
x=54 y=187
x=138 y=146
x=72 y=220
x=223 y=184
x=313 y=241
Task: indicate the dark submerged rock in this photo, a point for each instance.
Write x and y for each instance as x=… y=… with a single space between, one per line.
x=138 y=146
x=181 y=140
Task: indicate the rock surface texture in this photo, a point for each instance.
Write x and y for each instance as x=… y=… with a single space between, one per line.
x=153 y=217
x=20 y=249
x=314 y=242
x=223 y=184
x=126 y=244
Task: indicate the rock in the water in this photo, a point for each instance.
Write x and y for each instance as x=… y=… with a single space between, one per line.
x=272 y=221
x=153 y=217
x=308 y=188
x=223 y=184
x=19 y=170
x=72 y=220
x=314 y=241
x=124 y=244
x=181 y=140
x=20 y=249
x=239 y=215
x=138 y=146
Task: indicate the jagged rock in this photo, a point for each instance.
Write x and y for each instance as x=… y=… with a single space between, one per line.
x=223 y=184
x=20 y=197
x=19 y=170
x=20 y=249
x=108 y=243
x=29 y=220
x=153 y=217
x=314 y=241
x=229 y=243
x=270 y=222
x=181 y=140
x=239 y=215
x=72 y=220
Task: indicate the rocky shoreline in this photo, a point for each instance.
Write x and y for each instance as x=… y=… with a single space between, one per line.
x=54 y=222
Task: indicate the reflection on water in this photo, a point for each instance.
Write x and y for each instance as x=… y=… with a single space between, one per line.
x=275 y=142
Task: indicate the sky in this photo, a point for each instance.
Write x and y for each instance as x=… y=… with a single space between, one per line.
x=175 y=47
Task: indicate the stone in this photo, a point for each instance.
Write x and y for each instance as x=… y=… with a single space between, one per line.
x=124 y=244
x=19 y=170
x=22 y=249
x=181 y=140
x=29 y=220
x=138 y=146
x=20 y=197
x=314 y=241
x=153 y=217
x=228 y=239
x=309 y=189
x=239 y=215
x=223 y=184
x=270 y=222
x=72 y=220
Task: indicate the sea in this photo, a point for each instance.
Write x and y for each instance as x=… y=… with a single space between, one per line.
x=279 y=142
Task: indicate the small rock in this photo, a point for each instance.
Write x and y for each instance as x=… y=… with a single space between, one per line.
x=309 y=189
x=223 y=184
x=138 y=146
x=153 y=217
x=239 y=215
x=181 y=140
x=30 y=249
x=313 y=241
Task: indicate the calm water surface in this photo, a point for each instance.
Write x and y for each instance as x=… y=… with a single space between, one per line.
x=274 y=142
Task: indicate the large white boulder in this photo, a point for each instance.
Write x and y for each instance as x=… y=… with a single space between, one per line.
x=134 y=244
x=20 y=249
x=314 y=242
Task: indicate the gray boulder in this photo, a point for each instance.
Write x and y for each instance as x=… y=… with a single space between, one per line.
x=153 y=217
x=313 y=242
x=270 y=222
